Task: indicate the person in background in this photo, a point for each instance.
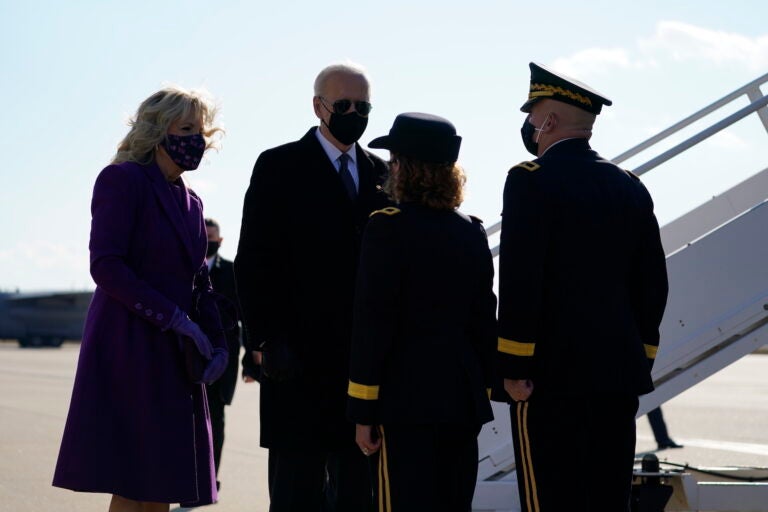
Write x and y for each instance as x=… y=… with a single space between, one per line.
x=303 y=217
x=138 y=426
x=221 y=391
x=659 y=428
x=424 y=332
x=582 y=291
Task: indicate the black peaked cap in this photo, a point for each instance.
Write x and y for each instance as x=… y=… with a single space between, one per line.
x=546 y=83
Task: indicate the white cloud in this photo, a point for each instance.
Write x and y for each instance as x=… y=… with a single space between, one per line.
x=43 y=265
x=672 y=41
x=45 y=255
x=728 y=140
x=683 y=42
x=594 y=60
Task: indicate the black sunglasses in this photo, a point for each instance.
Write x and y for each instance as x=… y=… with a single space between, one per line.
x=341 y=107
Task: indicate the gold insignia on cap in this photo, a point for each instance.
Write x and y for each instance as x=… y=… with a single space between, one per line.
x=544 y=90
x=390 y=210
x=528 y=166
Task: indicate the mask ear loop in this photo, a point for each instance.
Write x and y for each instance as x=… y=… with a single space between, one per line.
x=322 y=105
x=539 y=130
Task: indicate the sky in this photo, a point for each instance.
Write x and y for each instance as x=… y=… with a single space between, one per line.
x=73 y=73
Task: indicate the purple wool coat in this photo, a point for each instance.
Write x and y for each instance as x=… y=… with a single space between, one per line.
x=137 y=427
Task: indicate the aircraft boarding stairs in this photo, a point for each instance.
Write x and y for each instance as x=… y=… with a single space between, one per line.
x=717 y=312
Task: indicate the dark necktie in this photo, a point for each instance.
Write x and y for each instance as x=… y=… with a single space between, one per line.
x=346 y=176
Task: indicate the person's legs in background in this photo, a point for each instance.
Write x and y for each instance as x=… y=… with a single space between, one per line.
x=216 y=409
x=660 y=434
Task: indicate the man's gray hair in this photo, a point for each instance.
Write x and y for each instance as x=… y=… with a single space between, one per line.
x=347 y=68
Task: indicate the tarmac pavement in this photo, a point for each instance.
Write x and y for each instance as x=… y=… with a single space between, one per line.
x=722 y=421
x=35 y=389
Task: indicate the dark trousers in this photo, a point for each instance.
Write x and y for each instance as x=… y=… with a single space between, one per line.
x=427 y=467
x=320 y=481
x=216 y=407
x=658 y=426
x=558 y=464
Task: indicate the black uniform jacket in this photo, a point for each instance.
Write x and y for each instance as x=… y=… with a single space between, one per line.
x=295 y=270
x=582 y=275
x=425 y=320
x=223 y=281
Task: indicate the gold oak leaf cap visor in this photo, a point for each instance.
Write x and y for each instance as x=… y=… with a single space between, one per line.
x=546 y=83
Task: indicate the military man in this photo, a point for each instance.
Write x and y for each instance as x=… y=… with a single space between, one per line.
x=582 y=291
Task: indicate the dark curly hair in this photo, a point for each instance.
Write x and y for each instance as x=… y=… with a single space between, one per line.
x=439 y=185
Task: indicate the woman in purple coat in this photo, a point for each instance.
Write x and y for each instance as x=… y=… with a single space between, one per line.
x=138 y=426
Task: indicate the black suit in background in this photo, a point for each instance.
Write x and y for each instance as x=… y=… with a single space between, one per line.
x=582 y=291
x=295 y=270
x=422 y=356
x=221 y=392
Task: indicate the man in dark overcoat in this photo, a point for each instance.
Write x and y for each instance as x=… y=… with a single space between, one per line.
x=221 y=392
x=582 y=291
x=303 y=217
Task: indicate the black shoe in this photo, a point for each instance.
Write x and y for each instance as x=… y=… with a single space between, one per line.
x=669 y=444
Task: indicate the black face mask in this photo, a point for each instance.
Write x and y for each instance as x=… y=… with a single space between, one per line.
x=347 y=128
x=528 y=132
x=213 y=248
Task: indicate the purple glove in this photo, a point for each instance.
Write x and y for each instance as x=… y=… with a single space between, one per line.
x=216 y=367
x=182 y=325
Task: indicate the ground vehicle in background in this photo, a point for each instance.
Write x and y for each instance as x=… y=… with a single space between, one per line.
x=43 y=318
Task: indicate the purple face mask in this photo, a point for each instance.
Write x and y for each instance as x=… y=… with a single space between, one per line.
x=186 y=151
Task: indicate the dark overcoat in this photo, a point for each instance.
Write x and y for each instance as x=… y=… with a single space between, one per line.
x=582 y=275
x=223 y=280
x=424 y=334
x=295 y=272
x=137 y=427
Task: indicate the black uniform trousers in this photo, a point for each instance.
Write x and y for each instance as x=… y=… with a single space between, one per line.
x=303 y=480
x=427 y=467
x=574 y=454
x=658 y=426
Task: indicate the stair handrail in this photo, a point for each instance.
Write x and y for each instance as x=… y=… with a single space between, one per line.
x=728 y=98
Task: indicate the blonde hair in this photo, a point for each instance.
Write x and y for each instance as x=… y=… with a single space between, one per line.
x=155 y=114
x=439 y=185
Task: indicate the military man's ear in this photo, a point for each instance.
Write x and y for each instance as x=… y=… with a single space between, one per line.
x=550 y=123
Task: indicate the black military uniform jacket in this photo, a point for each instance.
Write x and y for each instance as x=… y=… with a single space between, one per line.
x=425 y=319
x=222 y=276
x=582 y=275
x=295 y=271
